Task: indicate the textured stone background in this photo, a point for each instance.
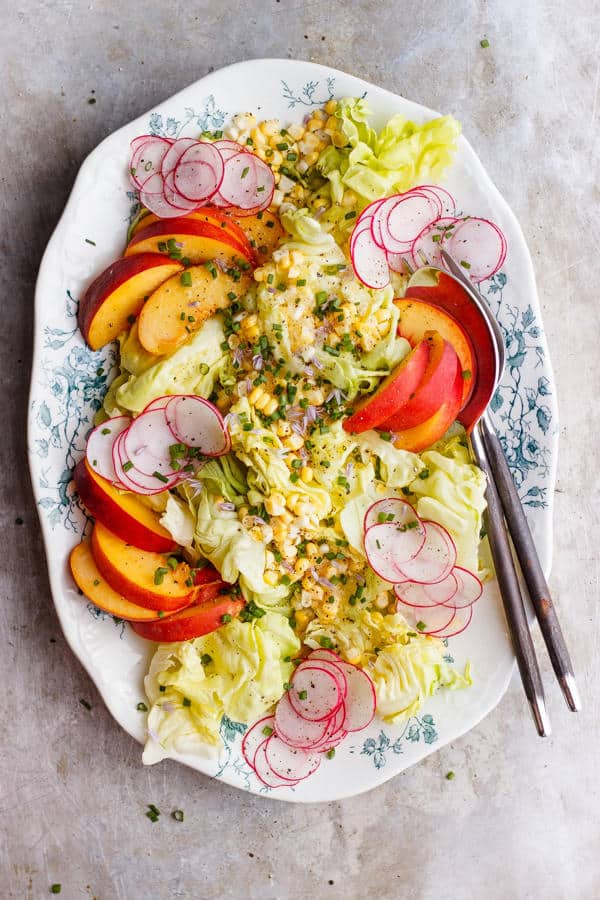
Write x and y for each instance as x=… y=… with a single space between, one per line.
x=521 y=819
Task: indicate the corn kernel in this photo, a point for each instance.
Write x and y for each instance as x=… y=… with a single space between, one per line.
x=330 y=107
x=311 y=158
x=255 y=394
x=311 y=550
x=382 y=601
x=276 y=159
x=258 y=137
x=289 y=551
x=294 y=441
x=353 y=655
x=286 y=516
x=271 y=577
x=270 y=127
x=284 y=429
x=306 y=474
x=313 y=123
x=277 y=198
x=275 y=503
x=242 y=512
x=303 y=617
x=302 y=565
x=295 y=131
x=329 y=571
x=316 y=397
x=280 y=530
x=332 y=123
x=338 y=139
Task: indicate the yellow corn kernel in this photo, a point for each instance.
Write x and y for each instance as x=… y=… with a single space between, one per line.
x=255 y=394
x=293 y=500
x=286 y=516
x=311 y=550
x=270 y=127
x=306 y=474
x=294 y=272
x=284 y=429
x=330 y=107
x=303 y=617
x=353 y=655
x=289 y=551
x=276 y=159
x=338 y=139
x=315 y=590
x=294 y=441
x=329 y=571
x=280 y=530
x=271 y=577
x=311 y=158
x=278 y=197
x=242 y=512
x=316 y=397
x=259 y=274
x=258 y=137
x=270 y=407
x=296 y=131
x=349 y=199
x=382 y=601
x=313 y=123
x=256 y=533
x=244 y=121
x=377 y=618
x=302 y=565
x=332 y=123
x=275 y=503
x=297 y=257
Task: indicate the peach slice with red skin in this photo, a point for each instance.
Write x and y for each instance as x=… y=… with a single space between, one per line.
x=144 y=577
x=128 y=517
x=207 y=214
x=93 y=585
x=426 y=433
x=393 y=392
x=435 y=387
x=117 y=295
x=418 y=316
x=191 y=622
x=198 y=241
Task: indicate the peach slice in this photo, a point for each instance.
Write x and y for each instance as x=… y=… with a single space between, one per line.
x=431 y=430
x=91 y=583
x=193 y=240
x=116 y=296
x=211 y=216
x=393 y=392
x=264 y=231
x=418 y=317
x=144 y=577
x=182 y=304
x=434 y=389
x=128 y=516
x=191 y=622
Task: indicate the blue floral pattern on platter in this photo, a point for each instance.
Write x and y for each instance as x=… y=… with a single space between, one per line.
x=70 y=381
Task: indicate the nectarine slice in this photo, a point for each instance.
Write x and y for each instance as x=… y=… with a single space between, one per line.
x=434 y=389
x=107 y=307
x=263 y=230
x=91 y=583
x=417 y=317
x=393 y=392
x=125 y=514
x=192 y=622
x=210 y=216
x=431 y=430
x=182 y=304
x=190 y=239
x=142 y=576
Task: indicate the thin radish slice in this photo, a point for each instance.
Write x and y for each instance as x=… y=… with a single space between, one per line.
x=172 y=195
x=199 y=172
x=461 y=620
x=427 y=621
x=147 y=444
x=389 y=547
x=256 y=735
x=468 y=588
x=238 y=187
x=361 y=228
x=426 y=248
x=100 y=446
x=153 y=198
x=479 y=246
x=228 y=148
x=324 y=653
x=361 y=702
x=295 y=730
x=400 y=262
x=174 y=153
x=265 y=183
x=409 y=216
x=336 y=732
x=331 y=666
x=445 y=200
x=380 y=230
x=369 y=261
x=315 y=693
x=265 y=773
x=395 y=511
x=158 y=403
x=435 y=560
x=147 y=160
x=198 y=423
x=139 y=141
x=134 y=480
x=420 y=595
x=219 y=201
x=288 y=762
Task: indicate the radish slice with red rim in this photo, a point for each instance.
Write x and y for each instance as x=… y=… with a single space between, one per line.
x=265 y=183
x=389 y=547
x=468 y=588
x=228 y=148
x=295 y=730
x=239 y=181
x=336 y=731
x=146 y=160
x=134 y=480
x=435 y=560
x=394 y=511
x=447 y=203
x=172 y=195
x=99 y=447
x=334 y=669
x=139 y=141
x=461 y=620
x=290 y=763
x=197 y=423
x=427 y=621
x=426 y=248
x=264 y=772
x=369 y=261
x=417 y=594
x=255 y=736
x=158 y=403
x=315 y=693
x=147 y=444
x=199 y=172
x=174 y=153
x=361 y=228
x=406 y=219
x=219 y=201
x=400 y=262
x=479 y=246
x=361 y=702
x=153 y=198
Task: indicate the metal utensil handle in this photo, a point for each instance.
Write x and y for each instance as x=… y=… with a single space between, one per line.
x=510 y=592
x=537 y=586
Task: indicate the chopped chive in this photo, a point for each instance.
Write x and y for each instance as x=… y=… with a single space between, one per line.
x=421 y=626
x=177 y=814
x=127 y=466
x=55 y=888
x=186 y=279
x=186 y=701
x=225 y=618
x=141 y=707
x=86 y=704
x=267 y=731
x=330 y=753
x=484 y=43
x=467 y=374
x=350 y=215
x=245 y=172
x=93 y=243
x=205 y=659
x=465 y=264
x=302 y=695
x=424 y=474
x=160 y=476
x=159 y=574
x=450 y=776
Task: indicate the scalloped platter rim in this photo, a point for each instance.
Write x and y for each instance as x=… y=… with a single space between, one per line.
x=68 y=381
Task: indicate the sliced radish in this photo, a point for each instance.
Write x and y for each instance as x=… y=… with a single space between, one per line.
x=255 y=736
x=435 y=560
x=369 y=261
x=174 y=198
x=265 y=773
x=389 y=547
x=153 y=198
x=295 y=730
x=426 y=248
x=158 y=403
x=199 y=172
x=174 y=153
x=461 y=620
x=334 y=669
x=147 y=159
x=139 y=141
x=427 y=621
x=427 y=595
x=361 y=228
x=315 y=693
x=134 y=480
x=228 y=148
x=406 y=219
x=479 y=246
x=219 y=201
x=361 y=702
x=336 y=731
x=239 y=181
x=400 y=262
x=100 y=446
x=400 y=511
x=198 y=423
x=147 y=444
x=288 y=762
x=447 y=203
x=468 y=588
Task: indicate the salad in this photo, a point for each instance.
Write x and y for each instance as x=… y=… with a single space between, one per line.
x=283 y=498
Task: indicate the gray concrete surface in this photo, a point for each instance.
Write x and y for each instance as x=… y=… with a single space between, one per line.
x=521 y=819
